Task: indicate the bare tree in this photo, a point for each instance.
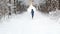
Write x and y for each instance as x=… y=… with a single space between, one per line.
x=50 y=5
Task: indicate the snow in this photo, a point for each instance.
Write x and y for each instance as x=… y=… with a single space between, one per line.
x=24 y=24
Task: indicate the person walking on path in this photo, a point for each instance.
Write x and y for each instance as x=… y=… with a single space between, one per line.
x=32 y=13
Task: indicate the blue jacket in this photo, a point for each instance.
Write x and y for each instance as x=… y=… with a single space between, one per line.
x=32 y=13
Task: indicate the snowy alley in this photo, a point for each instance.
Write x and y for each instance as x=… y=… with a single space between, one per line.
x=24 y=24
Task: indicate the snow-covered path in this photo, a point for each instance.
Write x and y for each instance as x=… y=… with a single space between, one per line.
x=24 y=24
x=19 y=24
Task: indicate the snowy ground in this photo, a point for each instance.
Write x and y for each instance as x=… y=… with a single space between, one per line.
x=24 y=24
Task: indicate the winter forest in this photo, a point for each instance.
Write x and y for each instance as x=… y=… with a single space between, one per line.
x=9 y=7
x=29 y=16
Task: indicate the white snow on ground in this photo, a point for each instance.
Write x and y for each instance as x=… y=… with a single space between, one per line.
x=24 y=24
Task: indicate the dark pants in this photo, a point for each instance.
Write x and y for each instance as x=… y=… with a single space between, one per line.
x=32 y=15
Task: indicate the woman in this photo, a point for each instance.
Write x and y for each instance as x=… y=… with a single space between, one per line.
x=32 y=13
